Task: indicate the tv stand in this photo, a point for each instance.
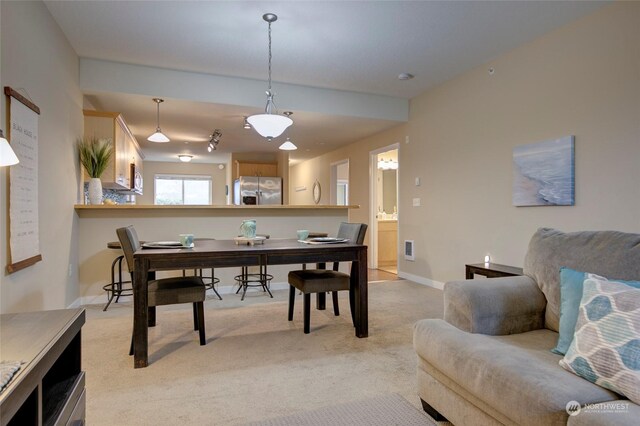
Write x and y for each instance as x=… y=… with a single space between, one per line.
x=49 y=387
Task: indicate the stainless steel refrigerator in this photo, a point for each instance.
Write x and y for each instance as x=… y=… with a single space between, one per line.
x=259 y=190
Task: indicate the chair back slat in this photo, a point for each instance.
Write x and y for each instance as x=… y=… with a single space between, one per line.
x=130 y=244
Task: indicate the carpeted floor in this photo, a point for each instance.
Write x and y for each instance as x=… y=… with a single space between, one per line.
x=256 y=364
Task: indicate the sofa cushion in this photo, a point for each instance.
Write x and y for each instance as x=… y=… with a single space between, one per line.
x=606 y=346
x=606 y=253
x=571 y=283
x=517 y=374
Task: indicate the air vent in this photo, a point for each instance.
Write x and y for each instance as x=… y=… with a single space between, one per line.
x=408 y=250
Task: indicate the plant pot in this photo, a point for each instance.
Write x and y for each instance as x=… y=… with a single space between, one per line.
x=95 y=191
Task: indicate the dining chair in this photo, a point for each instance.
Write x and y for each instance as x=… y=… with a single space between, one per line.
x=167 y=291
x=323 y=280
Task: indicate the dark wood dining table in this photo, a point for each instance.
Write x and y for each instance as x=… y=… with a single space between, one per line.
x=226 y=253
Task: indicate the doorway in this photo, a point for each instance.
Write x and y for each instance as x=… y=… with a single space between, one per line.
x=384 y=169
x=340 y=183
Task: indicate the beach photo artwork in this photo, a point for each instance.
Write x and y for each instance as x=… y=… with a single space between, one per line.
x=543 y=173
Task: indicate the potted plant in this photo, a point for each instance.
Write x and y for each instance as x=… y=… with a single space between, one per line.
x=94 y=156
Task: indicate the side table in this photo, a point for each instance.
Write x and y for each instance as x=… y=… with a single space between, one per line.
x=491 y=270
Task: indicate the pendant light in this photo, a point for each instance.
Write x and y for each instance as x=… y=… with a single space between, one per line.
x=288 y=146
x=158 y=136
x=7 y=156
x=270 y=124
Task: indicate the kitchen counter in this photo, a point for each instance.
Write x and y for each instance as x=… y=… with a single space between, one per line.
x=97 y=226
x=206 y=207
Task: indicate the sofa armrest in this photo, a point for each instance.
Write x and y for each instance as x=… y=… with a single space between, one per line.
x=494 y=306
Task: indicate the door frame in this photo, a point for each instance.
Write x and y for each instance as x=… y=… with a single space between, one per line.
x=333 y=180
x=373 y=201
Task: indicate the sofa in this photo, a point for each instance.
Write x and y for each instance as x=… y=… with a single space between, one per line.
x=489 y=361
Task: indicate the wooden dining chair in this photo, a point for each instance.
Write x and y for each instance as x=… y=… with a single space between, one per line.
x=167 y=291
x=323 y=280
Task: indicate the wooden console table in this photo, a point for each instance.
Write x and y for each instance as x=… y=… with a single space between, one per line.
x=491 y=270
x=48 y=389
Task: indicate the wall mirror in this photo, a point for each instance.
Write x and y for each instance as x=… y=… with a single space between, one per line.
x=317 y=192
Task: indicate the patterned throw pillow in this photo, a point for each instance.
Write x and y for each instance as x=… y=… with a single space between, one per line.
x=606 y=346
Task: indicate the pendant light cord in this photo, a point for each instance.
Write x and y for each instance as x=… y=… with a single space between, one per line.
x=269 y=56
x=158 y=115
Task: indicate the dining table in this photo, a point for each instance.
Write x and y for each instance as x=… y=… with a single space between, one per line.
x=228 y=253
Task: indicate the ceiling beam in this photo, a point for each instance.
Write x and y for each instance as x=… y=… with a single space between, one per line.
x=106 y=76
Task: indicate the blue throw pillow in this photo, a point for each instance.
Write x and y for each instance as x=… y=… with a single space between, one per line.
x=571 y=283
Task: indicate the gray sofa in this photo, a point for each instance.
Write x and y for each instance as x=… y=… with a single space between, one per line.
x=489 y=361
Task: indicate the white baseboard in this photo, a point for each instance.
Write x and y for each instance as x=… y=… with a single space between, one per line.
x=421 y=280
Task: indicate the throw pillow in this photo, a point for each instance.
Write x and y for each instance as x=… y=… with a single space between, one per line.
x=570 y=296
x=606 y=347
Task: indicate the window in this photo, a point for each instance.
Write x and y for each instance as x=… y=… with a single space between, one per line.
x=182 y=189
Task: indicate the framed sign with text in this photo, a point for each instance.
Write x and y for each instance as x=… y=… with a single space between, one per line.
x=22 y=132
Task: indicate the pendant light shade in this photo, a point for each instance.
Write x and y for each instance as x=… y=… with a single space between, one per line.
x=270 y=124
x=158 y=136
x=7 y=156
x=288 y=146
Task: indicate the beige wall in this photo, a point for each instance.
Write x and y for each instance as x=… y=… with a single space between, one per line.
x=39 y=62
x=218 y=178
x=581 y=80
x=306 y=173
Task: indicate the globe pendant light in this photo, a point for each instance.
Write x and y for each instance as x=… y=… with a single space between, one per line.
x=158 y=136
x=270 y=124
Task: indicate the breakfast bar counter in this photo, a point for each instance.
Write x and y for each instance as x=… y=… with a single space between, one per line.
x=97 y=226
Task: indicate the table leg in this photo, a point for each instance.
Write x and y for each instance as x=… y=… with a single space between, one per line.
x=359 y=281
x=140 y=314
x=468 y=273
x=321 y=298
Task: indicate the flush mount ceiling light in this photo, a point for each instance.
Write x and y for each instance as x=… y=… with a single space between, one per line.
x=270 y=124
x=288 y=146
x=246 y=126
x=158 y=136
x=7 y=156
x=185 y=158
x=405 y=76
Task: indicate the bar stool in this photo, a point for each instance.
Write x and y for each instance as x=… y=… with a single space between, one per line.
x=210 y=281
x=115 y=289
x=260 y=279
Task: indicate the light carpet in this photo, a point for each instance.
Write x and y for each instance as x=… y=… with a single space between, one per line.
x=385 y=410
x=256 y=364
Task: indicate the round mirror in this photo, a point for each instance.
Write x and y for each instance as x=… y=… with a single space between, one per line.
x=317 y=192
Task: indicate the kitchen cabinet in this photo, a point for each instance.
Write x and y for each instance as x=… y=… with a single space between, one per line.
x=256 y=169
x=111 y=125
x=387 y=242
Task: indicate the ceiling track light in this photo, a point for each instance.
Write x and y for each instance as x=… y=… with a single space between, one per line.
x=246 y=125
x=185 y=158
x=270 y=124
x=214 y=140
x=158 y=136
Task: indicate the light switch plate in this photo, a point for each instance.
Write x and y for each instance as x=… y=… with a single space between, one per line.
x=416 y=202
x=417 y=181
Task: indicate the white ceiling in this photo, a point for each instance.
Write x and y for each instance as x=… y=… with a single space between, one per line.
x=358 y=46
